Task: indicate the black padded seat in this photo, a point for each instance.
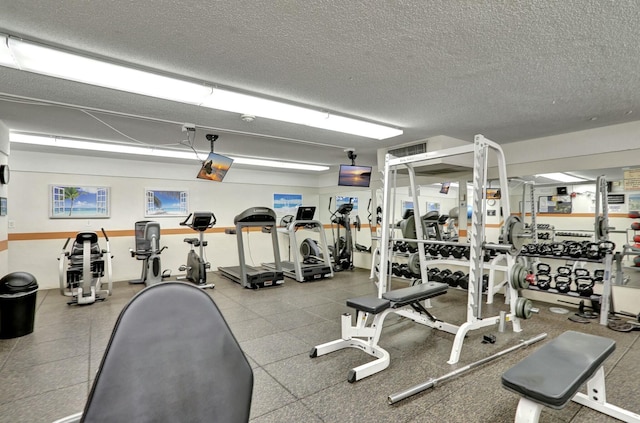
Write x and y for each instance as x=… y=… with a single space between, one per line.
x=422 y=291
x=369 y=304
x=171 y=358
x=431 y=216
x=553 y=374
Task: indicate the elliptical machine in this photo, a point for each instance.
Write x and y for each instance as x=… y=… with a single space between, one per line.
x=85 y=266
x=148 y=250
x=197 y=265
x=342 y=248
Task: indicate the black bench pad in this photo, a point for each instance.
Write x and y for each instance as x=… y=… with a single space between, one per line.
x=369 y=304
x=423 y=291
x=553 y=374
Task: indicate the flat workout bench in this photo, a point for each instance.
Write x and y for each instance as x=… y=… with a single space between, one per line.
x=552 y=375
x=365 y=337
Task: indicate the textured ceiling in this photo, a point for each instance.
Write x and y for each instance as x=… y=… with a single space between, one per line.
x=511 y=70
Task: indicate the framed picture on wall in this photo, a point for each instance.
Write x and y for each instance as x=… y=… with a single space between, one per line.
x=3 y=206
x=286 y=204
x=78 y=202
x=166 y=203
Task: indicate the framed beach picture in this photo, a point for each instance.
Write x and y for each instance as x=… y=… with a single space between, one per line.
x=284 y=204
x=78 y=202
x=166 y=203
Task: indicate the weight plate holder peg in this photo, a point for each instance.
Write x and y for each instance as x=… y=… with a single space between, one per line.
x=519 y=275
x=602 y=231
x=513 y=232
x=525 y=308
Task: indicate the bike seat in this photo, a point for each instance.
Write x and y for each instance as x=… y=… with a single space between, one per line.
x=193 y=241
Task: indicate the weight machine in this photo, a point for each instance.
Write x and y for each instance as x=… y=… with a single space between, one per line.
x=147 y=238
x=512 y=236
x=197 y=265
x=85 y=267
x=342 y=248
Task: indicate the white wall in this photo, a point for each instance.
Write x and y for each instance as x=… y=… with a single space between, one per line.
x=127 y=179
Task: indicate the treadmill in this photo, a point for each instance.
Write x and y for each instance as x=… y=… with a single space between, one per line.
x=250 y=276
x=315 y=262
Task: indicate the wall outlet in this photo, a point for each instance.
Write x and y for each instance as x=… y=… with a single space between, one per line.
x=12 y=224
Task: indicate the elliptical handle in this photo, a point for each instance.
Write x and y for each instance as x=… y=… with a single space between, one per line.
x=105 y=234
x=213 y=222
x=66 y=243
x=184 y=223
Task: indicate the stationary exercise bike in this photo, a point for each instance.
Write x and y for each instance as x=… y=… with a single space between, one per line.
x=342 y=248
x=197 y=266
x=85 y=266
x=148 y=250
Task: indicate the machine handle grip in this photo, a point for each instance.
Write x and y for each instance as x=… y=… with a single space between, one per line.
x=66 y=243
x=105 y=234
x=184 y=223
x=212 y=224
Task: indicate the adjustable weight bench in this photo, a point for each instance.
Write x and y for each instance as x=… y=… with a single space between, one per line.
x=552 y=375
x=365 y=337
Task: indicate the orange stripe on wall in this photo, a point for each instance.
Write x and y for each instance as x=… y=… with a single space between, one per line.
x=573 y=214
x=4 y=245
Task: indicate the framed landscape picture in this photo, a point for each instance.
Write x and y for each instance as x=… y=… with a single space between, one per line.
x=166 y=203
x=78 y=202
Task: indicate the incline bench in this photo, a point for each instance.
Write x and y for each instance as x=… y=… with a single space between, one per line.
x=552 y=375
x=366 y=338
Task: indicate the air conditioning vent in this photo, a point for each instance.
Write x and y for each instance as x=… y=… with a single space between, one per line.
x=409 y=150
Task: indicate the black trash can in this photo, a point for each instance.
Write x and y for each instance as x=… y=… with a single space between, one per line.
x=18 y=292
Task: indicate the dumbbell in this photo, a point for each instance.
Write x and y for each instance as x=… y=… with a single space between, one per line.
x=584 y=286
x=463 y=282
x=433 y=250
x=453 y=279
x=404 y=271
x=431 y=272
x=412 y=248
x=402 y=247
x=440 y=276
x=557 y=249
x=457 y=251
x=395 y=269
x=395 y=245
x=445 y=251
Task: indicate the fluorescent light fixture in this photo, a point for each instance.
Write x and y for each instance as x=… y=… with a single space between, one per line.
x=560 y=177
x=6 y=58
x=37 y=58
x=148 y=151
x=272 y=163
x=60 y=64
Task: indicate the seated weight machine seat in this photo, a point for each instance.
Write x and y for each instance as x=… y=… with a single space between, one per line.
x=171 y=358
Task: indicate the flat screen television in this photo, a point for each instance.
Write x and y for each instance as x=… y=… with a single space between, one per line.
x=444 y=189
x=354 y=176
x=215 y=167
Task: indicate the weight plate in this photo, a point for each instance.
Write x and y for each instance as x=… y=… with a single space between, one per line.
x=514 y=276
x=414 y=263
x=512 y=232
x=601 y=228
x=523 y=308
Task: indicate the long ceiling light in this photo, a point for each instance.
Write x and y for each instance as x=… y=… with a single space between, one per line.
x=561 y=177
x=44 y=60
x=149 y=151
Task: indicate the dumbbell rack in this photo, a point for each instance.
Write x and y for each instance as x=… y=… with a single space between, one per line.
x=492 y=265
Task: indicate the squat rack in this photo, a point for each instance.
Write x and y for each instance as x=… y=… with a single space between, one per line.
x=512 y=231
